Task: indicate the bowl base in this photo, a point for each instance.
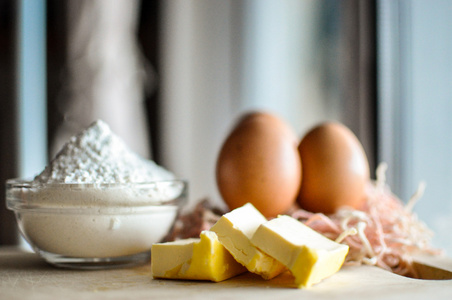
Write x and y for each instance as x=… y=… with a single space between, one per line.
x=97 y=263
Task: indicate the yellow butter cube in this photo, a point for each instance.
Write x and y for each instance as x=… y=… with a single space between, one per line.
x=194 y=259
x=308 y=255
x=235 y=230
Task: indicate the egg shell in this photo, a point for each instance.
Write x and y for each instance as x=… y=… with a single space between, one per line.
x=335 y=169
x=270 y=119
x=259 y=163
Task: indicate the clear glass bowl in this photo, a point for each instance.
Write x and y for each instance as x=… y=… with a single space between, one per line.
x=94 y=226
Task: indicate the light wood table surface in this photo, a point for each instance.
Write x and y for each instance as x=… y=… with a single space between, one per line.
x=25 y=276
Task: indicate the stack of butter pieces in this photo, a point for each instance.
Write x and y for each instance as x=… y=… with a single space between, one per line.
x=244 y=239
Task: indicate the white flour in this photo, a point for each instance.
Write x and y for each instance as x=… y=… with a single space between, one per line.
x=116 y=220
x=99 y=156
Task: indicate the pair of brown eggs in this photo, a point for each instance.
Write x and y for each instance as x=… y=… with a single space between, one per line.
x=263 y=162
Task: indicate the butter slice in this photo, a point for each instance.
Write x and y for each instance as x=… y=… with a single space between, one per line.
x=308 y=255
x=194 y=259
x=235 y=229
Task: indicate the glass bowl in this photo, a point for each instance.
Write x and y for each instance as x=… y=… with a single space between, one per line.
x=94 y=226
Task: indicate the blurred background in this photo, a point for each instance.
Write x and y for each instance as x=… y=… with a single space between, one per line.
x=171 y=77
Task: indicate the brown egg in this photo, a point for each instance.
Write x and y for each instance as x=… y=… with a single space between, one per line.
x=335 y=169
x=268 y=118
x=259 y=163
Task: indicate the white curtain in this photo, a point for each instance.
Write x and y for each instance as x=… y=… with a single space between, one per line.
x=105 y=74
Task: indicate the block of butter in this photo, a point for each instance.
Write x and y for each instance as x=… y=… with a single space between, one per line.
x=308 y=255
x=194 y=259
x=235 y=229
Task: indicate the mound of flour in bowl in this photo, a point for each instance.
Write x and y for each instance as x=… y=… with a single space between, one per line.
x=98 y=199
x=97 y=155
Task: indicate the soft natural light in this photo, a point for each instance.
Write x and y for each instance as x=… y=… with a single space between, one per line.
x=416 y=106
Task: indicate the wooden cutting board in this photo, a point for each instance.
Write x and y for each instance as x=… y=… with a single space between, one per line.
x=26 y=276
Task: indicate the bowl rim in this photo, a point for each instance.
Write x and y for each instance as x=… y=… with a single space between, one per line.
x=18 y=192
x=28 y=183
